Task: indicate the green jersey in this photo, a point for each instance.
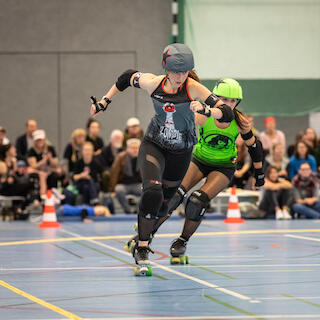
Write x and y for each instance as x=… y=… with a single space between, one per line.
x=217 y=146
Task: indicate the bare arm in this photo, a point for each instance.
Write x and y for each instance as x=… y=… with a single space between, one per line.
x=147 y=81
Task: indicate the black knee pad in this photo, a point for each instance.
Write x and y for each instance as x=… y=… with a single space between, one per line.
x=196 y=205
x=151 y=199
x=177 y=199
x=163 y=210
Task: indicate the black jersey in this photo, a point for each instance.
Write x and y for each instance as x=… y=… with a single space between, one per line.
x=172 y=127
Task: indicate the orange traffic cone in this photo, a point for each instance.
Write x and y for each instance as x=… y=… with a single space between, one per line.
x=49 y=218
x=233 y=214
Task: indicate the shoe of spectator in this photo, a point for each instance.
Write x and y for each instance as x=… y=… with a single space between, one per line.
x=286 y=215
x=279 y=215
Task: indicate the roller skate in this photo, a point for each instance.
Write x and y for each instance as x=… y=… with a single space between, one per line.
x=141 y=257
x=177 y=250
x=129 y=245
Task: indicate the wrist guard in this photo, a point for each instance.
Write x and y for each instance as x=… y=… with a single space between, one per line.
x=259 y=176
x=205 y=111
x=123 y=81
x=227 y=113
x=99 y=106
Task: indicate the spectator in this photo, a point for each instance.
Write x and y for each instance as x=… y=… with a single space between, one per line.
x=290 y=150
x=275 y=195
x=87 y=175
x=3 y=138
x=93 y=127
x=72 y=152
x=278 y=160
x=42 y=158
x=301 y=154
x=271 y=136
x=25 y=141
x=132 y=130
x=10 y=185
x=311 y=139
x=125 y=176
x=107 y=156
x=250 y=118
x=306 y=192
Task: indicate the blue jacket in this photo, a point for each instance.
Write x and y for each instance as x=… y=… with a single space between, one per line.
x=295 y=164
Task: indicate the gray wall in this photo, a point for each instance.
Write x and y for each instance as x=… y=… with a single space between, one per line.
x=54 y=54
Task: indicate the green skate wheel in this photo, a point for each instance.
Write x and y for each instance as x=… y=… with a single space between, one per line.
x=174 y=260
x=181 y=261
x=187 y=259
x=149 y=273
x=135 y=227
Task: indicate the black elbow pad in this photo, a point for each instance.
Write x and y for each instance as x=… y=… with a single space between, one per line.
x=123 y=81
x=256 y=151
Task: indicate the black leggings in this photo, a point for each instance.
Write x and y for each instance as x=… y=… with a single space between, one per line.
x=160 y=170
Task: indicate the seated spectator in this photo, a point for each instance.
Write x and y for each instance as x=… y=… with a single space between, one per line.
x=42 y=158
x=87 y=175
x=3 y=138
x=72 y=152
x=271 y=136
x=301 y=154
x=243 y=170
x=250 y=118
x=290 y=150
x=93 y=130
x=306 y=193
x=278 y=160
x=132 y=130
x=25 y=141
x=11 y=182
x=275 y=195
x=107 y=155
x=125 y=176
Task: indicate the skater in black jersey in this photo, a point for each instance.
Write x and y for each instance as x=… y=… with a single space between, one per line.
x=166 y=150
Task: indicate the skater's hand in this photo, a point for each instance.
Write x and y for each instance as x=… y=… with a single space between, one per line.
x=93 y=112
x=196 y=106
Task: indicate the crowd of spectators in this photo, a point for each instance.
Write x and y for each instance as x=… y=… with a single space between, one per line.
x=90 y=168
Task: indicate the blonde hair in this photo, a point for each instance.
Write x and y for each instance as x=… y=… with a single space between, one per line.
x=76 y=133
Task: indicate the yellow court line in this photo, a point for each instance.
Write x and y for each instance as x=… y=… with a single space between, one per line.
x=48 y=305
x=161 y=235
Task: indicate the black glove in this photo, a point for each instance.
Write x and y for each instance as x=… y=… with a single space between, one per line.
x=259 y=175
x=227 y=113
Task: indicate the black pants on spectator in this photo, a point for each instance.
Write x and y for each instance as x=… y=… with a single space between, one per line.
x=274 y=198
x=88 y=189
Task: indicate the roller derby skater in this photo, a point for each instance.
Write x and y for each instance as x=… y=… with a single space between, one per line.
x=166 y=150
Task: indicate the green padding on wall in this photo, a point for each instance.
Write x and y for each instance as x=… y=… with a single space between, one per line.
x=278 y=97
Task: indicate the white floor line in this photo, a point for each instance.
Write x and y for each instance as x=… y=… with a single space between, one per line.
x=242 y=317
x=301 y=237
x=155 y=267
x=171 y=270
x=287 y=298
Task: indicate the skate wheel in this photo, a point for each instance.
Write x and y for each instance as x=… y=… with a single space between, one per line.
x=126 y=247
x=174 y=260
x=182 y=259
x=135 y=227
x=142 y=271
x=149 y=273
x=187 y=259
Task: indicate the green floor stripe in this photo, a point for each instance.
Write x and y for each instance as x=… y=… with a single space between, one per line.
x=116 y=258
x=302 y=300
x=215 y=272
x=230 y=306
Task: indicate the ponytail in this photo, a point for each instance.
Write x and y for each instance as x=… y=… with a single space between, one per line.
x=193 y=75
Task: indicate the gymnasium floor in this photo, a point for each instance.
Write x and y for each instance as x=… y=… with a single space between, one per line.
x=257 y=270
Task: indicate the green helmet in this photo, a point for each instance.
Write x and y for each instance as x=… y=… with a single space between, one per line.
x=228 y=88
